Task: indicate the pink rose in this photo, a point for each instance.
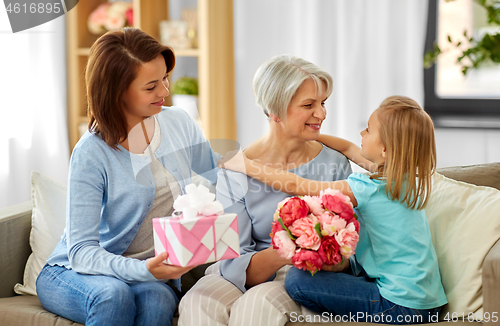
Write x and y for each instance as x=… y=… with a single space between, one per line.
x=330 y=223
x=329 y=251
x=292 y=210
x=307 y=260
x=307 y=236
x=339 y=205
x=276 y=215
x=347 y=239
x=315 y=205
x=100 y=15
x=114 y=21
x=97 y=19
x=285 y=245
x=275 y=228
x=129 y=14
x=354 y=221
x=328 y=191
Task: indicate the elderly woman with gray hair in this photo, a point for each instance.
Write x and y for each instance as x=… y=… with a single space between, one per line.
x=249 y=290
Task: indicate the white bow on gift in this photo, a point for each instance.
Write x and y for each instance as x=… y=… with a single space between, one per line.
x=197 y=202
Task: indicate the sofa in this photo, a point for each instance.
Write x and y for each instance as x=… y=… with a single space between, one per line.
x=15 y=229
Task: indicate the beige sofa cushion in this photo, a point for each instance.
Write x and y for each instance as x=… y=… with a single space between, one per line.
x=464 y=223
x=48 y=198
x=27 y=310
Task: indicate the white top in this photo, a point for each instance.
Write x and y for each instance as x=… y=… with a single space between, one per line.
x=167 y=189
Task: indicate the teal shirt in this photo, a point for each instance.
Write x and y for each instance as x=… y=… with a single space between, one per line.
x=395 y=247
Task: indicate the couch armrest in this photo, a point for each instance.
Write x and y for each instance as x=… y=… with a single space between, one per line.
x=491 y=284
x=15 y=227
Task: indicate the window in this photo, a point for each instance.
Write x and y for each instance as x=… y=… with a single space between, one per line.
x=452 y=99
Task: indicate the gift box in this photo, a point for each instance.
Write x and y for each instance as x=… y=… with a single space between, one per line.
x=197 y=241
x=199 y=233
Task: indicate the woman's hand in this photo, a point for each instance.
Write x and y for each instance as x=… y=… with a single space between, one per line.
x=163 y=271
x=234 y=160
x=263 y=265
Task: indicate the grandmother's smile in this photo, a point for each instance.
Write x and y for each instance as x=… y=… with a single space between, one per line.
x=315 y=126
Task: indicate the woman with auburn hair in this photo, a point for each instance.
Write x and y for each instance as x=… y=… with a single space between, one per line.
x=136 y=157
x=250 y=290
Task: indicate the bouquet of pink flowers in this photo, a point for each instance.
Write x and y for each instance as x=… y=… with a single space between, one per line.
x=315 y=230
x=109 y=16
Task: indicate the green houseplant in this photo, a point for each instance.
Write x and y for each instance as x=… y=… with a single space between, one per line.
x=477 y=51
x=185 y=95
x=185 y=86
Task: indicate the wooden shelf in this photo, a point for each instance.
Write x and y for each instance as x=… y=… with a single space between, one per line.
x=215 y=57
x=187 y=52
x=83 y=120
x=83 y=51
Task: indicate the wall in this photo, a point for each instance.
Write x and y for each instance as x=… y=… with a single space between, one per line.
x=467 y=146
x=372 y=49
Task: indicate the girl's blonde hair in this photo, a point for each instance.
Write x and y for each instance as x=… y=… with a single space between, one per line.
x=407 y=133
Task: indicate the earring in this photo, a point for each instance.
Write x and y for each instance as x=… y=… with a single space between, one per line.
x=277 y=120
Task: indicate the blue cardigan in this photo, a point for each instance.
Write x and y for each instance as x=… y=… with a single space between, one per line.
x=111 y=191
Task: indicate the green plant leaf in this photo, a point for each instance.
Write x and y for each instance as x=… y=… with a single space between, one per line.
x=286 y=229
x=317 y=227
x=477 y=51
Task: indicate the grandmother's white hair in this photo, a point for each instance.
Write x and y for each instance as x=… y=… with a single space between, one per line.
x=277 y=80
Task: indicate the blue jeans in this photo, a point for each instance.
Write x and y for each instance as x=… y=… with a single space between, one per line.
x=345 y=297
x=104 y=300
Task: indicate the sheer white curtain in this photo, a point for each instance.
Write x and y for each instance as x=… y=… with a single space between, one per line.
x=33 y=132
x=373 y=49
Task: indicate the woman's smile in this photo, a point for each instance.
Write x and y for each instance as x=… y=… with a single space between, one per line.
x=159 y=103
x=314 y=126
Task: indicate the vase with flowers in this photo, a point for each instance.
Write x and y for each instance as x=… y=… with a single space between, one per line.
x=109 y=16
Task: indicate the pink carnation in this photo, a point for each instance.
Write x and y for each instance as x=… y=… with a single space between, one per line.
x=285 y=245
x=129 y=14
x=115 y=20
x=315 y=205
x=354 y=221
x=275 y=228
x=330 y=223
x=100 y=15
x=307 y=236
x=307 y=260
x=292 y=210
x=329 y=251
x=278 y=208
x=328 y=191
x=339 y=204
x=347 y=239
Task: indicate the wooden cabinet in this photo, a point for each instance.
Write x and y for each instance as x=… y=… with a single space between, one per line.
x=215 y=55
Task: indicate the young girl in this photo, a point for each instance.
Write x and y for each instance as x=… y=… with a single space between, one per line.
x=127 y=169
x=394 y=276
